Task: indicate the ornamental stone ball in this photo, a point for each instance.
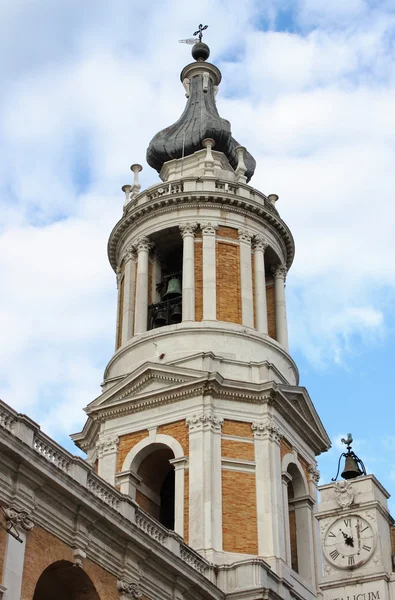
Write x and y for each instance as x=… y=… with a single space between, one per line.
x=200 y=51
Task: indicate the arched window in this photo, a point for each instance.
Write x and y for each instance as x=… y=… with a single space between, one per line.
x=62 y=581
x=156 y=490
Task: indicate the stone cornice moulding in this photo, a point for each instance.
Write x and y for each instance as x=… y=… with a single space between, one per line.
x=240 y=205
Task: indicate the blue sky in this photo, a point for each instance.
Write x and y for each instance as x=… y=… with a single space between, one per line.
x=309 y=88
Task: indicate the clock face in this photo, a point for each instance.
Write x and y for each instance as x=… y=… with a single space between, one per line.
x=349 y=542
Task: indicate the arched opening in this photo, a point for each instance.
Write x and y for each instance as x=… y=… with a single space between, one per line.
x=64 y=580
x=156 y=491
x=300 y=524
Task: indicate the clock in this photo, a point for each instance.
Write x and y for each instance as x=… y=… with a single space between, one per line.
x=349 y=542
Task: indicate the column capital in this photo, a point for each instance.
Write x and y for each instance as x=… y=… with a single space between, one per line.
x=245 y=236
x=18 y=518
x=203 y=421
x=208 y=228
x=130 y=253
x=280 y=271
x=143 y=244
x=314 y=474
x=130 y=588
x=260 y=243
x=107 y=445
x=267 y=430
x=187 y=229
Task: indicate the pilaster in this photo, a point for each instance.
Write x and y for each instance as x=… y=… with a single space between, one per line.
x=205 y=494
x=107 y=447
x=14 y=557
x=267 y=436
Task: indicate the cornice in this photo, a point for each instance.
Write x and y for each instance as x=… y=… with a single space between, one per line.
x=214 y=201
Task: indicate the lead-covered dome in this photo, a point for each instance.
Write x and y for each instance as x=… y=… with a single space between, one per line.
x=200 y=120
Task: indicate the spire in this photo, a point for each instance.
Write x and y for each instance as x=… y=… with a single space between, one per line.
x=200 y=119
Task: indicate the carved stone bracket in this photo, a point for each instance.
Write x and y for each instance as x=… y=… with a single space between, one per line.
x=260 y=243
x=280 y=271
x=107 y=445
x=208 y=228
x=267 y=429
x=131 y=588
x=344 y=493
x=205 y=420
x=18 y=518
x=314 y=474
x=188 y=229
x=186 y=83
x=245 y=236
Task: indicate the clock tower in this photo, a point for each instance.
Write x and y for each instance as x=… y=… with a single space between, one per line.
x=355 y=528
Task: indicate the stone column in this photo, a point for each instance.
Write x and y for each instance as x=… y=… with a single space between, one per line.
x=286 y=478
x=247 y=307
x=280 y=273
x=209 y=273
x=156 y=277
x=314 y=477
x=270 y=510
x=128 y=294
x=143 y=246
x=188 y=271
x=18 y=521
x=180 y=465
x=205 y=490
x=118 y=335
x=260 y=246
x=107 y=448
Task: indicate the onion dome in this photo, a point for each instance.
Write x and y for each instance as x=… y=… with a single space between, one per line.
x=200 y=119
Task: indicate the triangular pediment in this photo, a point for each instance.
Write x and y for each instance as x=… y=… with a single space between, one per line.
x=146 y=381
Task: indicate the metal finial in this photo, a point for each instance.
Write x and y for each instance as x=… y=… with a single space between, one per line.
x=354 y=466
x=348 y=441
x=199 y=32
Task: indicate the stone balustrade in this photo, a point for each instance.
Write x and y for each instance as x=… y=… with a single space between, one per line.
x=69 y=465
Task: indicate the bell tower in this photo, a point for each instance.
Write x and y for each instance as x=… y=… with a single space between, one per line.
x=201 y=419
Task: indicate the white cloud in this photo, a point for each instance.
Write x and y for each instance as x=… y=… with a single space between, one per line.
x=84 y=95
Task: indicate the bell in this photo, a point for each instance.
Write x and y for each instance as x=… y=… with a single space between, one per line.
x=160 y=319
x=176 y=314
x=351 y=468
x=173 y=289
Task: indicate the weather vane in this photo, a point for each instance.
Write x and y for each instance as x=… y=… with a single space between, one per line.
x=195 y=39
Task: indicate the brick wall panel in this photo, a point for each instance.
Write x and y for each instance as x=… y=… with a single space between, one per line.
x=239 y=512
x=229 y=233
x=241 y=450
x=285 y=448
x=179 y=431
x=126 y=443
x=228 y=282
x=237 y=428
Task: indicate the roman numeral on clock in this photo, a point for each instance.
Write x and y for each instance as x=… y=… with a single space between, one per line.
x=331 y=534
x=347 y=522
x=365 y=528
x=367 y=548
x=334 y=554
x=351 y=561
